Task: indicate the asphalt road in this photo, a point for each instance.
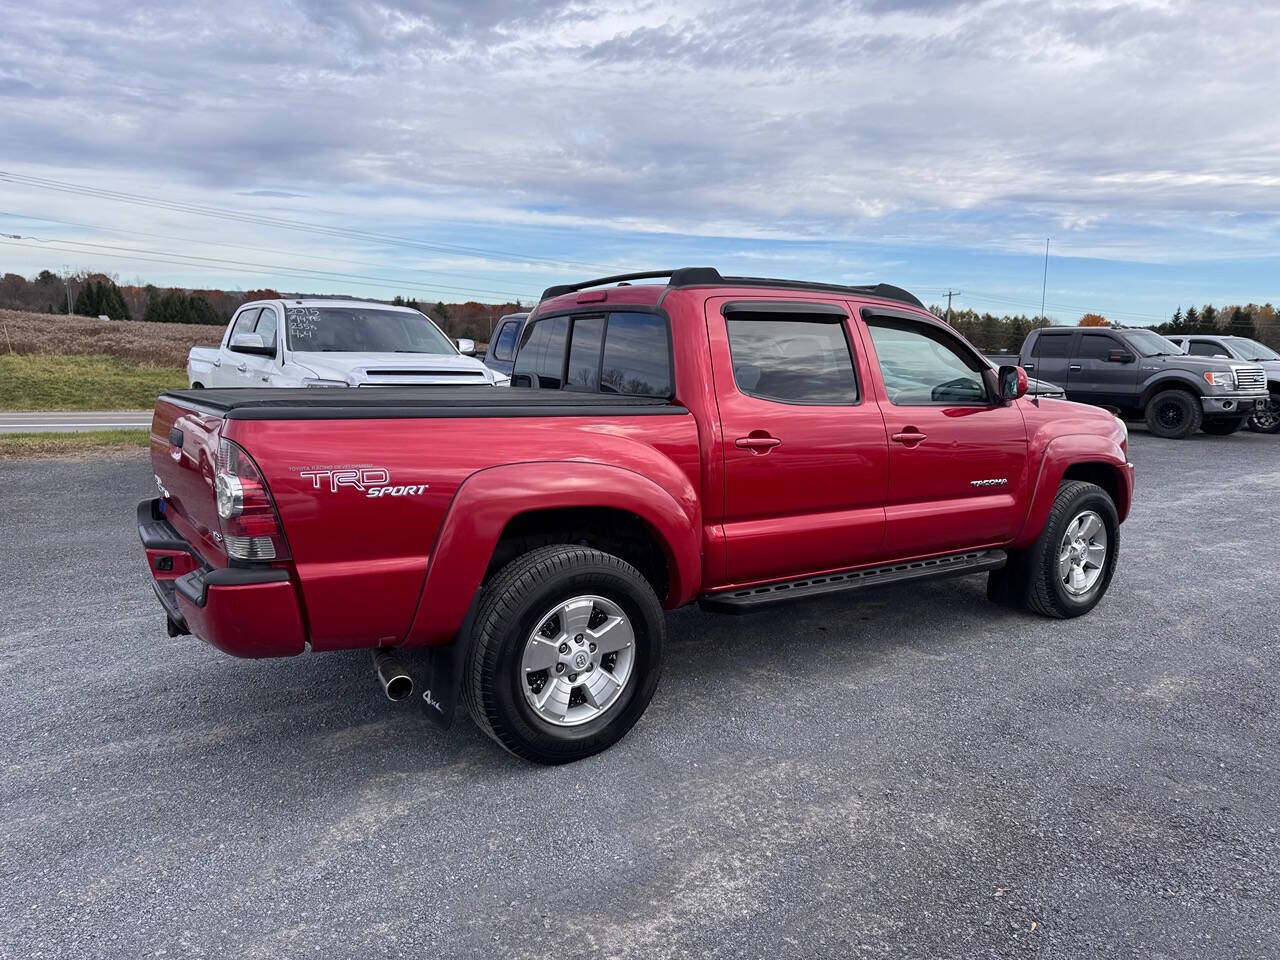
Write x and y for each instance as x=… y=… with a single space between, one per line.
x=74 y=420
x=918 y=774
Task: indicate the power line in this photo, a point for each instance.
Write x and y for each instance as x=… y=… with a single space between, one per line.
x=304 y=226
x=444 y=287
x=291 y=273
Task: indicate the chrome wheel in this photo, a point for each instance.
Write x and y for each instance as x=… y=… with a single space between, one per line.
x=1082 y=553
x=577 y=660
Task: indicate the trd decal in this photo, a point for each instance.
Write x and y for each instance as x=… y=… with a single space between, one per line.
x=373 y=482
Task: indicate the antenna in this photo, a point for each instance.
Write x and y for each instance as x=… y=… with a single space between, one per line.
x=1044 y=286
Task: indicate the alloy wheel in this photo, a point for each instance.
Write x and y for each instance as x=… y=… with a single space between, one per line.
x=578 y=660
x=1082 y=554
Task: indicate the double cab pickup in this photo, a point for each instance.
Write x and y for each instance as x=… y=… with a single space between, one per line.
x=732 y=441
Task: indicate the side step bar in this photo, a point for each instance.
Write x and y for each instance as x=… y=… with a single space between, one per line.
x=751 y=599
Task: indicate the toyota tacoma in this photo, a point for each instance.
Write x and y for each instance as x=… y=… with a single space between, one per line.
x=732 y=441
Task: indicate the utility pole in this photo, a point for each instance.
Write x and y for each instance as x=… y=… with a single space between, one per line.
x=950 y=294
x=66 y=285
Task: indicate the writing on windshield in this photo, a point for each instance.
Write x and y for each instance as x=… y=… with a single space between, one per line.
x=363 y=330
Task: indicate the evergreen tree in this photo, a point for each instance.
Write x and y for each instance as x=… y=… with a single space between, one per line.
x=1240 y=324
x=1191 y=322
x=1208 y=319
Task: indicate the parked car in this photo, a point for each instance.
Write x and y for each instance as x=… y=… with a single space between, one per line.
x=1265 y=419
x=1144 y=375
x=502 y=346
x=733 y=441
x=332 y=343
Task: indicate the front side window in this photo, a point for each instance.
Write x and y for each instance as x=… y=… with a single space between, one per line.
x=1206 y=348
x=244 y=323
x=923 y=367
x=540 y=361
x=266 y=327
x=1096 y=346
x=504 y=347
x=361 y=329
x=792 y=359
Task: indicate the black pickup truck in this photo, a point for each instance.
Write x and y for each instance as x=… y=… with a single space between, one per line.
x=1142 y=375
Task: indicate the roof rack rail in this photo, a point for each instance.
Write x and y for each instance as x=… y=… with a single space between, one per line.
x=710 y=276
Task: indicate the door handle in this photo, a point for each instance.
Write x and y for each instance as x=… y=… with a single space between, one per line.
x=1073 y=366
x=266 y=378
x=757 y=442
x=242 y=367
x=909 y=436
x=217 y=361
x=1028 y=366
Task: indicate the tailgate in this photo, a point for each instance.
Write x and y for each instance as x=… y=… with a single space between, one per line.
x=184 y=456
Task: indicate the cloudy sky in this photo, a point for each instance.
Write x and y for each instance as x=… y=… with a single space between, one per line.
x=485 y=149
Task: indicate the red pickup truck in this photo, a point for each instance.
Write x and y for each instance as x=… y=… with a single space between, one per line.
x=733 y=441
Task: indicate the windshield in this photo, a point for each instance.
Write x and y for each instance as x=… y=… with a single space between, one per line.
x=363 y=330
x=1151 y=344
x=1253 y=350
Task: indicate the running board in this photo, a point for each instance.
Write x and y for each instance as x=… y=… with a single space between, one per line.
x=750 y=599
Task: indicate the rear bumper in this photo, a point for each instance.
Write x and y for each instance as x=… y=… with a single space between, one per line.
x=243 y=611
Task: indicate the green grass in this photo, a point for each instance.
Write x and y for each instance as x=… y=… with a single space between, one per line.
x=32 y=445
x=45 y=381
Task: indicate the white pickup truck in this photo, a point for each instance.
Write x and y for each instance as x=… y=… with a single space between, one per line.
x=334 y=343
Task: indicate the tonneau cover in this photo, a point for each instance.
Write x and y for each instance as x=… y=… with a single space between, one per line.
x=384 y=403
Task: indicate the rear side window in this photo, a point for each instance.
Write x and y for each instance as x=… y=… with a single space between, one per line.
x=792 y=359
x=540 y=362
x=1053 y=344
x=624 y=353
x=637 y=356
x=504 y=347
x=1096 y=346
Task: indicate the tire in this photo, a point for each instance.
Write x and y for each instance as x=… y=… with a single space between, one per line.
x=1223 y=427
x=497 y=684
x=1268 y=420
x=1174 y=414
x=197 y=386
x=1047 y=593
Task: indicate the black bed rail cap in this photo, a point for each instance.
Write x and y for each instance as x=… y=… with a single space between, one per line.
x=710 y=276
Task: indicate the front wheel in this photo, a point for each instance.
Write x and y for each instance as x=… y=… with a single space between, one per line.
x=1070 y=566
x=1223 y=427
x=1174 y=414
x=566 y=654
x=1267 y=418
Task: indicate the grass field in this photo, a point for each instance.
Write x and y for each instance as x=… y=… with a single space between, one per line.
x=64 y=382
x=150 y=344
x=35 y=445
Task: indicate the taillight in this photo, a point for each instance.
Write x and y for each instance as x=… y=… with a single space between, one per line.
x=250 y=524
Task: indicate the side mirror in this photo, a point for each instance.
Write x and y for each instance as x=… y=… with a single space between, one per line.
x=1013 y=382
x=1119 y=356
x=467 y=347
x=250 y=343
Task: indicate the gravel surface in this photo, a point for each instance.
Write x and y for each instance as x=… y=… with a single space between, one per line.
x=915 y=774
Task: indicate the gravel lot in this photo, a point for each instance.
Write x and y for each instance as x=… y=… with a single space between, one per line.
x=917 y=774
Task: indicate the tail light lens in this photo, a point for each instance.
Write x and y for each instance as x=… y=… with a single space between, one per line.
x=250 y=525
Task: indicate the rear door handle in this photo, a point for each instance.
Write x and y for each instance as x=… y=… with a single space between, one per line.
x=758 y=442
x=910 y=436
x=242 y=367
x=217 y=361
x=1028 y=366
x=1074 y=366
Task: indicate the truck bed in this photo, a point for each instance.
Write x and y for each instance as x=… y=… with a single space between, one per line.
x=420 y=402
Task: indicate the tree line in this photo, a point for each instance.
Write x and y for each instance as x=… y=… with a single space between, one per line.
x=99 y=294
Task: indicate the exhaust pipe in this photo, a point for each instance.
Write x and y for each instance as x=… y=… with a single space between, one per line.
x=395 y=679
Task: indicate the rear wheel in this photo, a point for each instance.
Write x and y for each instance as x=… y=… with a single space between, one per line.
x=567 y=653
x=1070 y=566
x=1223 y=427
x=1174 y=414
x=1267 y=419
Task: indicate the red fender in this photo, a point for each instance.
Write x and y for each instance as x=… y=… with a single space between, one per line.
x=1061 y=453
x=489 y=499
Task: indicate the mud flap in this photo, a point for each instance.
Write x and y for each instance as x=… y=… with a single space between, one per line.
x=442 y=680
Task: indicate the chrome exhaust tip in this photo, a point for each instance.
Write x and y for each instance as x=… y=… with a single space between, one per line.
x=396 y=682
